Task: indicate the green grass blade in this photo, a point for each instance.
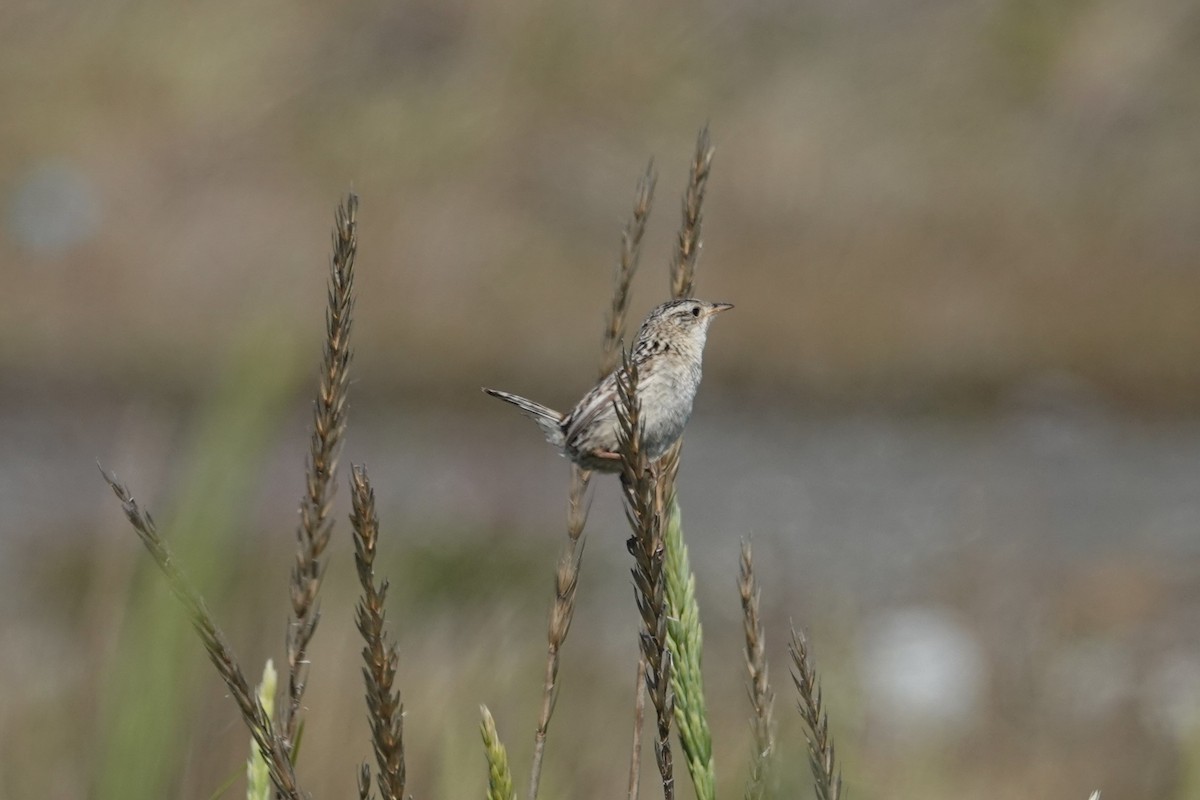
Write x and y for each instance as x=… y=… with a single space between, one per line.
x=500 y=782
x=146 y=704
x=258 y=775
x=685 y=640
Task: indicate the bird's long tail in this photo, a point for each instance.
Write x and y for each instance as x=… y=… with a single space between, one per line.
x=549 y=420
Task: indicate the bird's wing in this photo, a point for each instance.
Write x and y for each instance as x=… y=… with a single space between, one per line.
x=599 y=401
x=595 y=404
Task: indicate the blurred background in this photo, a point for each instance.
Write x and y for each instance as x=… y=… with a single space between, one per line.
x=955 y=409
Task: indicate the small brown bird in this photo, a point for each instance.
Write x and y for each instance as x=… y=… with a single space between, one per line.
x=667 y=353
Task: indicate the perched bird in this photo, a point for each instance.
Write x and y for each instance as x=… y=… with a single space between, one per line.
x=667 y=354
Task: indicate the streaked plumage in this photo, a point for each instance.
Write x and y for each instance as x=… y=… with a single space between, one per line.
x=668 y=352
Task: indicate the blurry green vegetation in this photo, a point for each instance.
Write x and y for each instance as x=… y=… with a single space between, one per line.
x=458 y=568
x=149 y=702
x=1029 y=37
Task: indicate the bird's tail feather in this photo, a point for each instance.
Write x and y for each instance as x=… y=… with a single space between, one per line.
x=549 y=420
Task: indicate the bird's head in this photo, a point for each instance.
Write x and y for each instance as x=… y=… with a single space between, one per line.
x=687 y=314
x=684 y=322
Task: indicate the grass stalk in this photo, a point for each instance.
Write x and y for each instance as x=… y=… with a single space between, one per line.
x=821 y=759
x=641 y=486
x=631 y=248
x=684 y=632
x=500 y=782
x=566 y=581
x=762 y=697
x=566 y=578
x=329 y=424
x=270 y=744
x=688 y=244
x=384 y=707
x=683 y=262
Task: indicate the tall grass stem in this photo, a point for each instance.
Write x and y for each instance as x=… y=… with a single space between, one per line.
x=385 y=710
x=688 y=243
x=329 y=425
x=641 y=491
x=631 y=249
x=822 y=761
x=762 y=696
x=271 y=745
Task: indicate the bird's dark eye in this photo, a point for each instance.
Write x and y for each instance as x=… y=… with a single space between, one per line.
x=695 y=311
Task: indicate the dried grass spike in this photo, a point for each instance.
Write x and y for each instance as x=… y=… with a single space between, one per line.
x=329 y=424
x=762 y=697
x=562 y=612
x=384 y=707
x=683 y=265
x=821 y=758
x=567 y=573
x=631 y=247
x=640 y=490
x=272 y=747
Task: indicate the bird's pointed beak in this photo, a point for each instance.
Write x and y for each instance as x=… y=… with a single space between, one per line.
x=719 y=307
